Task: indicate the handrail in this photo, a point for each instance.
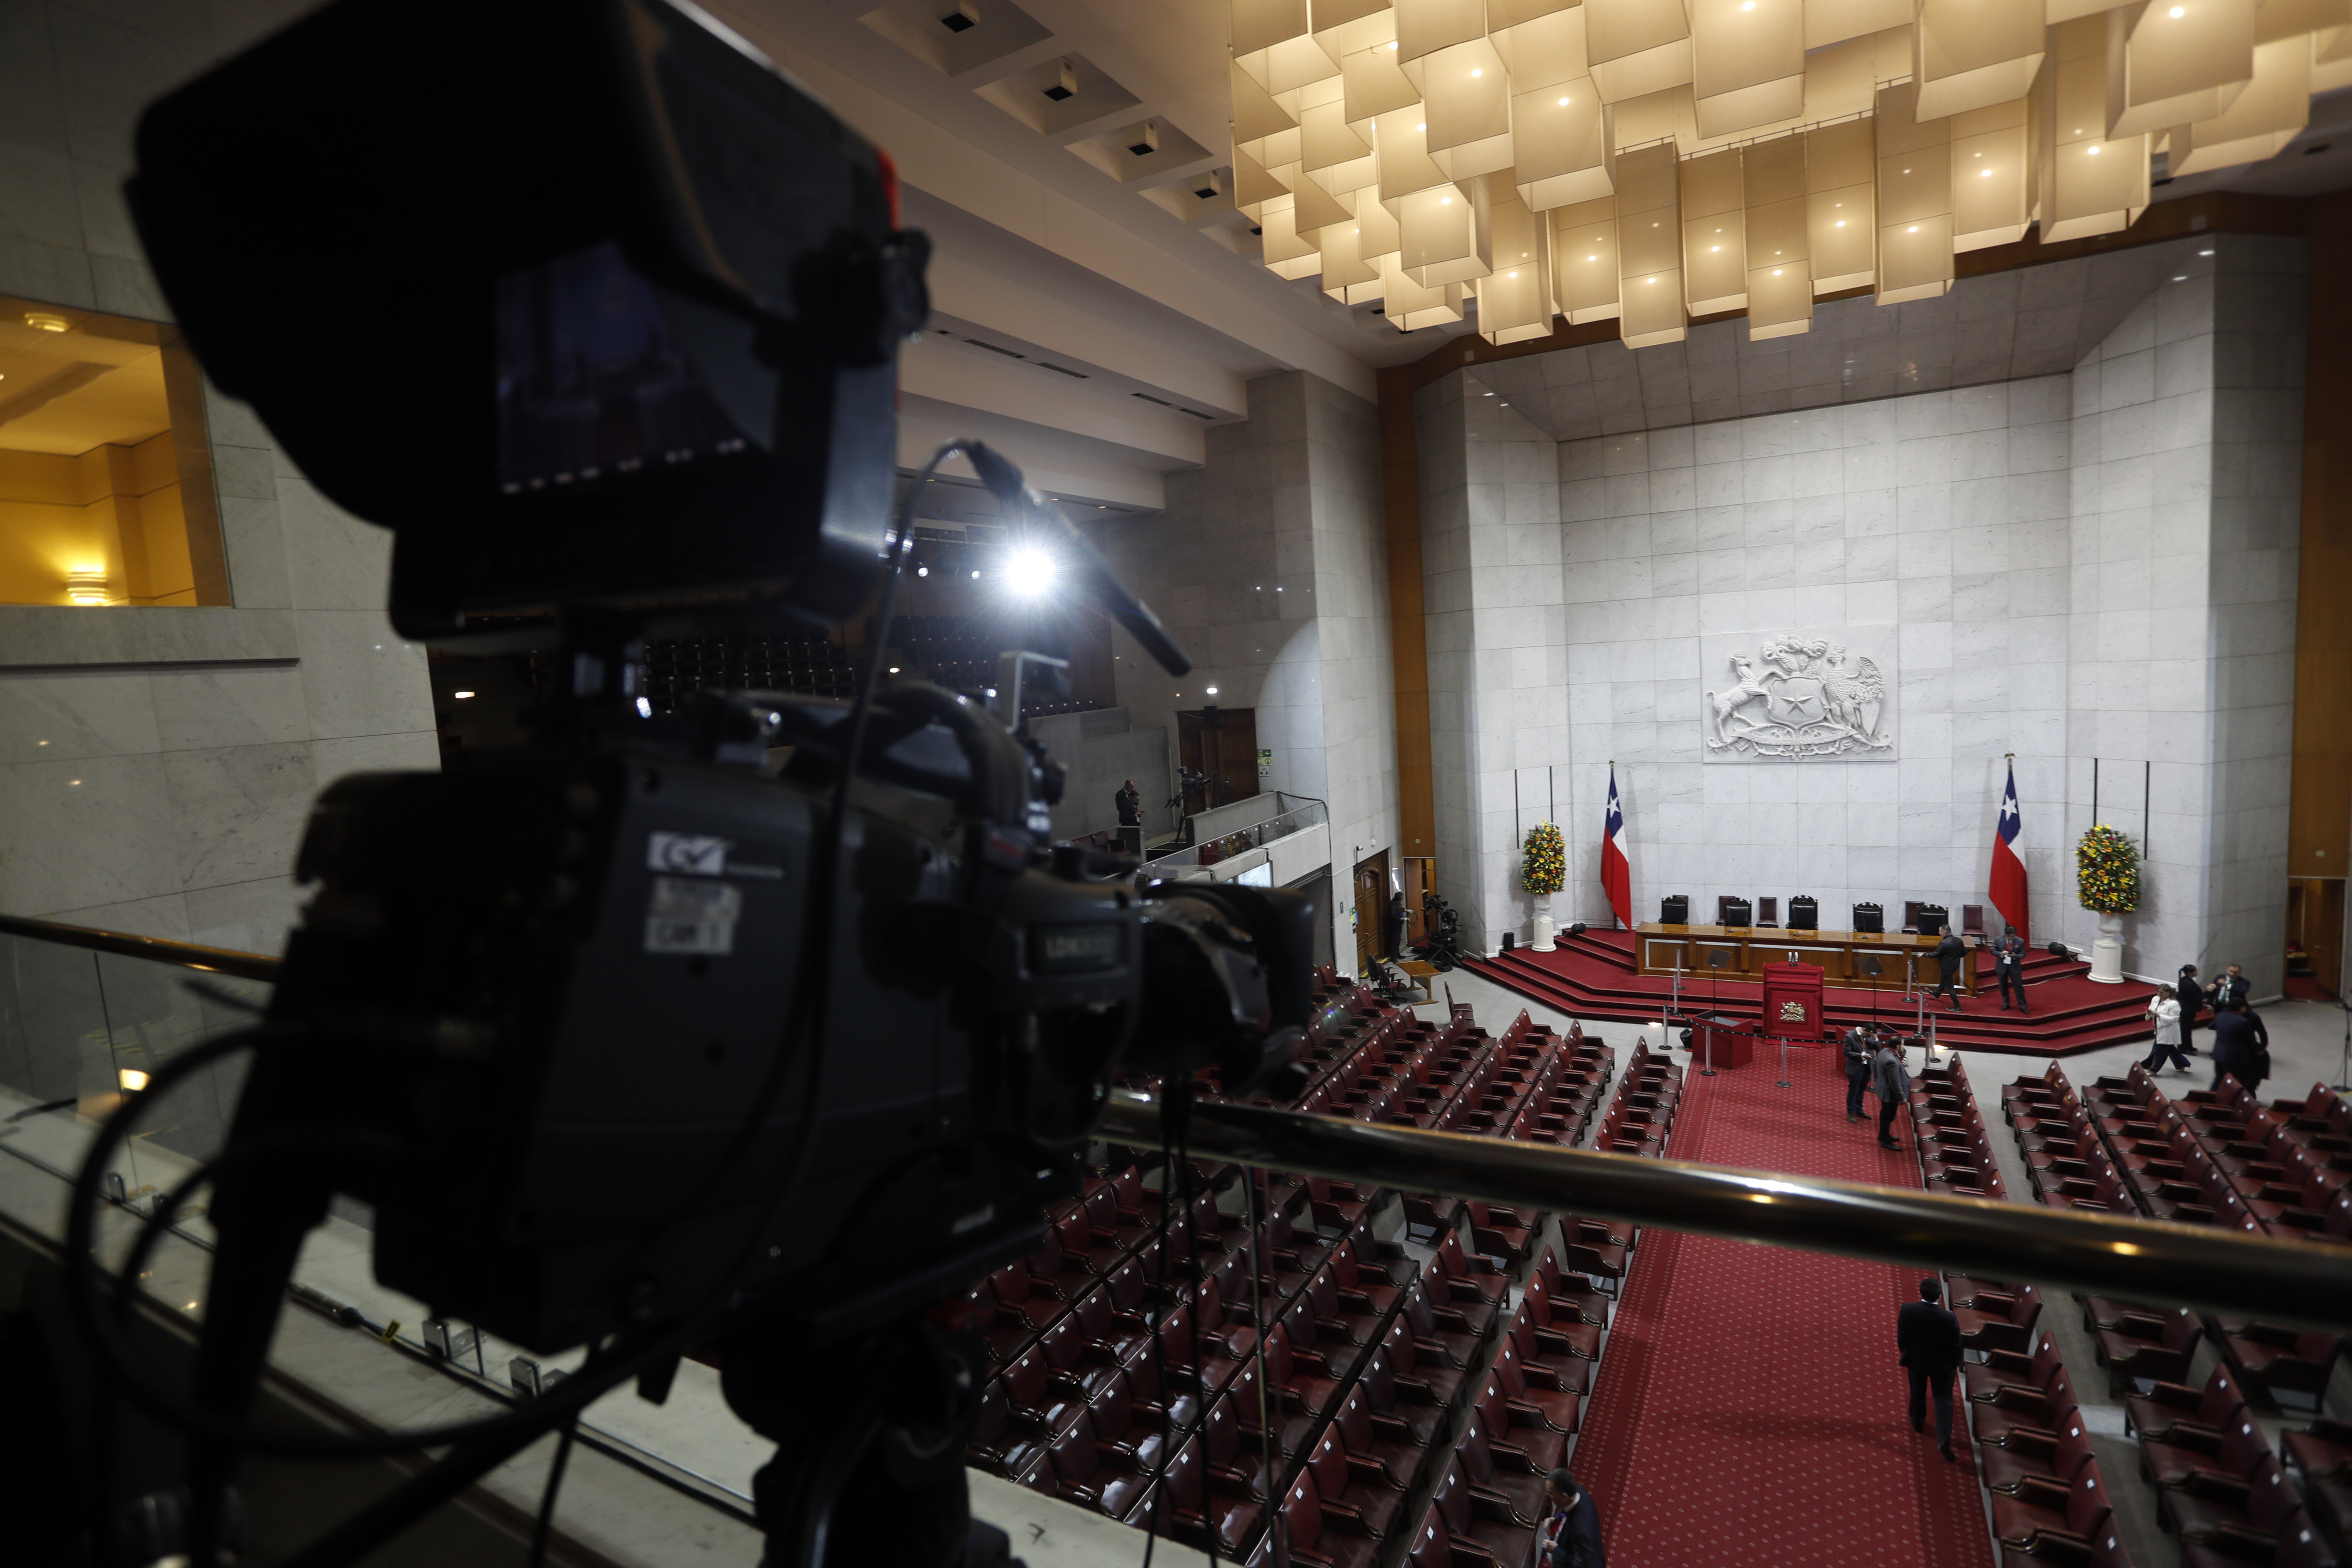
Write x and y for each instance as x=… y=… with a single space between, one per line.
x=159 y=950
x=2285 y=1282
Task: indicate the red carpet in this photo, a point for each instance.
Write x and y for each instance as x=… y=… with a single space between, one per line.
x=1749 y=1412
x=1592 y=977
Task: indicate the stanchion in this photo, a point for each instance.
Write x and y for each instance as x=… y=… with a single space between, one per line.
x=1784 y=1063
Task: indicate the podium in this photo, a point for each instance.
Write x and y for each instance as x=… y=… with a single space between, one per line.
x=1721 y=1043
x=1792 y=1002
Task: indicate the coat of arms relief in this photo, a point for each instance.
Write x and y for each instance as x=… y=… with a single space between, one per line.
x=1799 y=695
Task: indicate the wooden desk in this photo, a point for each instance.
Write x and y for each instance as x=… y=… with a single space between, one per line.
x=1658 y=948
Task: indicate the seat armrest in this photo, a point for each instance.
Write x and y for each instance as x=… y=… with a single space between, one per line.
x=1413 y=1390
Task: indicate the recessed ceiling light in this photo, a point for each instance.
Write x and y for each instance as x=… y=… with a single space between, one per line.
x=461 y=696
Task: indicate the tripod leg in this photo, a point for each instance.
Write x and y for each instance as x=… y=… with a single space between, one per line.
x=869 y=1438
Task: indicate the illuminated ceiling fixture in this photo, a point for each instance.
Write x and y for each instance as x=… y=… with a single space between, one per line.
x=46 y=322
x=1030 y=572
x=1356 y=122
x=461 y=696
x=132 y=1079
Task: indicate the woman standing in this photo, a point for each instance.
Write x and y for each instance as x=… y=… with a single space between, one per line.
x=2164 y=1012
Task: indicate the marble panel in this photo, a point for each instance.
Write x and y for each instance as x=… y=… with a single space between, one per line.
x=236 y=812
x=65 y=717
x=86 y=834
x=358 y=676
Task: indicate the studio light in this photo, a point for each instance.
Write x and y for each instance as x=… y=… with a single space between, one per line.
x=1030 y=572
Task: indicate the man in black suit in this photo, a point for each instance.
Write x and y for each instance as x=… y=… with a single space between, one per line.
x=1929 y=1340
x=2234 y=987
x=1572 y=1530
x=1860 y=1047
x=1130 y=800
x=2009 y=966
x=2240 y=1047
x=1948 y=954
x=2193 y=1002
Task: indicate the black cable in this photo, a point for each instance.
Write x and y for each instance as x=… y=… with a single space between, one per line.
x=1265 y=1400
x=545 y=1525
x=91 y=1311
x=1158 y=1342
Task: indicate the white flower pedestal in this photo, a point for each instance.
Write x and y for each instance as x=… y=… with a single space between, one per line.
x=1543 y=926
x=2107 y=951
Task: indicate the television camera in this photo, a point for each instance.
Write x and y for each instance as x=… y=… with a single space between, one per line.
x=628 y=1040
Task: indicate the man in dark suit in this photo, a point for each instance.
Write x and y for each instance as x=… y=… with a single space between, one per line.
x=2009 y=966
x=1130 y=800
x=1860 y=1047
x=2234 y=989
x=1949 y=956
x=2193 y=1002
x=1571 y=1534
x=1929 y=1340
x=2240 y=1047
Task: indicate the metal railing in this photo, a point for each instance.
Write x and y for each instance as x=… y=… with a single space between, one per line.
x=1298 y=819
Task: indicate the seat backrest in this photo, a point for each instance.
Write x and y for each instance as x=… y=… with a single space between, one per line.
x=1450 y=1499
x=2243 y=1446
x=1397 y=1349
x=1430 y=1548
x=2086 y=1503
x=1011 y=1284
x=1353 y=1422
x=2270 y=1501
x=1113 y=1410
x=1183 y=1479
x=1417 y=1313
x=1093 y=1314
x=1026 y=1377
x=2298 y=1546
x=2074 y=1446
x=2182 y=1331
x=1507 y=1368
x=1326 y=1461
x=1972 y=920
x=1493 y=1406
x=1301 y=1515
x=1074 y=1455
x=1478 y=1461
x=996 y=1415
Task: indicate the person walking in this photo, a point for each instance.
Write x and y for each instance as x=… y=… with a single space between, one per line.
x=1396 y=924
x=2191 y=996
x=1860 y=1047
x=1890 y=1079
x=2009 y=966
x=2164 y=1012
x=1948 y=954
x=2240 y=1047
x=1570 y=1536
x=1927 y=1340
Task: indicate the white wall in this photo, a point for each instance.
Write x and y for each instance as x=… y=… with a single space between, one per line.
x=183 y=746
x=2099 y=564
x=1269 y=568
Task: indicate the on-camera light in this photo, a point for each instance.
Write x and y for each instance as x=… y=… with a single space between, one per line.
x=1030 y=572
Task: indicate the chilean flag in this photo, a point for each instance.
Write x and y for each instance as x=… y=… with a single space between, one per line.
x=1616 y=871
x=2008 y=884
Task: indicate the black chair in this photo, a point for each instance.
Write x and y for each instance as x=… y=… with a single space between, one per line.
x=1674 y=910
x=1731 y=912
x=1869 y=919
x=1804 y=913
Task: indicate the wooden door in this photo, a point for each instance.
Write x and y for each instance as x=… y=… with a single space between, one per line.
x=1226 y=756
x=1371 y=909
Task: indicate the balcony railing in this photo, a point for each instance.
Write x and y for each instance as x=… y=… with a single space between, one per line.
x=1296 y=819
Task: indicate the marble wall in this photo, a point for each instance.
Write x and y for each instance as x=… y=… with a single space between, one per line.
x=156 y=766
x=1268 y=568
x=2092 y=564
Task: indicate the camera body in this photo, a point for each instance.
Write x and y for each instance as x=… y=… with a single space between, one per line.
x=593 y=945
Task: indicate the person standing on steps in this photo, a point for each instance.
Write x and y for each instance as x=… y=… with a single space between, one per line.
x=1928 y=1339
x=1949 y=953
x=2191 y=996
x=2164 y=1012
x=1890 y=1079
x=1860 y=1047
x=2009 y=966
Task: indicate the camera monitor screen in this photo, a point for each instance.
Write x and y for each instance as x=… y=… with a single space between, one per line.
x=627 y=301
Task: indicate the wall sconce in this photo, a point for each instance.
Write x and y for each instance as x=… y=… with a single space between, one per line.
x=46 y=322
x=86 y=586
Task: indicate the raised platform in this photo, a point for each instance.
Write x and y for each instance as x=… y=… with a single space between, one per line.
x=1594 y=976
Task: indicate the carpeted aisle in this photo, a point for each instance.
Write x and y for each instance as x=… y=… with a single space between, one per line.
x=1749 y=1412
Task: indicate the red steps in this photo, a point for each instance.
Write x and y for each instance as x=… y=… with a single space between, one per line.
x=1593 y=976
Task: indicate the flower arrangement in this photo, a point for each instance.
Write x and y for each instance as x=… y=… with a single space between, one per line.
x=1546 y=871
x=2106 y=872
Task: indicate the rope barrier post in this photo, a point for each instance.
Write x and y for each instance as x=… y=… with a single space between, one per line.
x=1784 y=1063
